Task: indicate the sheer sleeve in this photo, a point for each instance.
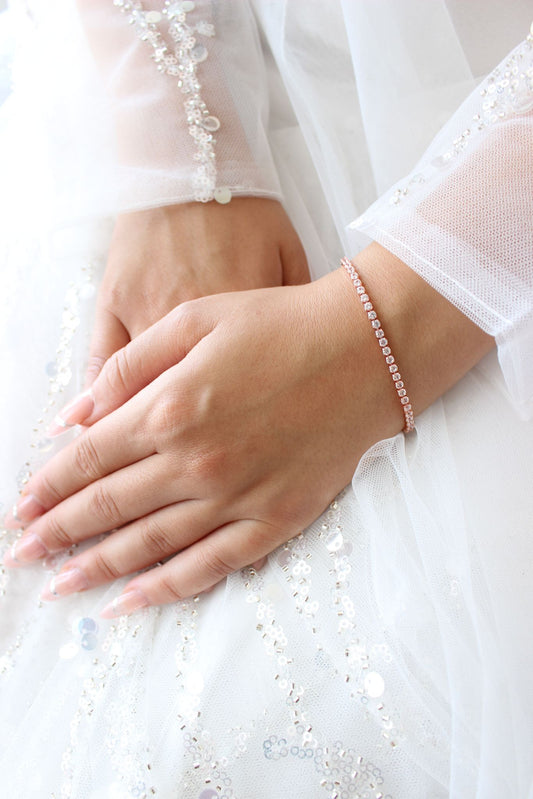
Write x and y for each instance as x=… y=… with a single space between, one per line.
x=463 y=218
x=146 y=104
x=187 y=87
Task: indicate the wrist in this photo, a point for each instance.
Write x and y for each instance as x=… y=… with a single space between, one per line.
x=364 y=393
x=432 y=341
x=383 y=342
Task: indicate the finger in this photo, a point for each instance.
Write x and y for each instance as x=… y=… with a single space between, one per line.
x=200 y=566
x=109 y=335
x=133 y=367
x=104 y=505
x=112 y=444
x=135 y=546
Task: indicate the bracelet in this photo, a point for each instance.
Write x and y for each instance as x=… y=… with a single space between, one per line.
x=384 y=344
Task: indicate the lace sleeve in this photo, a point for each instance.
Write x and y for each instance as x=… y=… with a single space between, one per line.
x=142 y=104
x=463 y=218
x=186 y=81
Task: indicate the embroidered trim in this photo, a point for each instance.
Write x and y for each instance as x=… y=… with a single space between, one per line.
x=180 y=60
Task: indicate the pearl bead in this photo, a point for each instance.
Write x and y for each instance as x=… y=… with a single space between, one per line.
x=153 y=17
x=223 y=195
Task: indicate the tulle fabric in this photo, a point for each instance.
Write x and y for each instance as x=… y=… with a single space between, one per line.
x=386 y=652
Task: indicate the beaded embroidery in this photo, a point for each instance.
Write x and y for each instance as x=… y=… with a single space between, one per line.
x=342 y=772
x=181 y=62
x=59 y=374
x=507 y=91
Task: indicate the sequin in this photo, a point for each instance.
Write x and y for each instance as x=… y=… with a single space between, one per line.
x=274 y=592
x=334 y=541
x=199 y=54
x=174 y=9
x=153 y=17
x=210 y=123
x=44 y=445
x=89 y=641
x=182 y=64
x=69 y=651
x=205 y=28
x=501 y=98
x=374 y=684
x=87 y=625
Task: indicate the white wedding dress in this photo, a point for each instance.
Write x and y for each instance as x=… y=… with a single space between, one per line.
x=387 y=652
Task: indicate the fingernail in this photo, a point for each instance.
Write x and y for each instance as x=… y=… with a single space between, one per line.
x=125 y=604
x=74 y=413
x=8 y=559
x=28 y=548
x=67 y=582
x=26 y=509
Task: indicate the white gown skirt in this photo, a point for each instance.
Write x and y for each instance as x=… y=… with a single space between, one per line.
x=386 y=652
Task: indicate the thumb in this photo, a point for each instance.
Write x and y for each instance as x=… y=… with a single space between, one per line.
x=134 y=366
x=109 y=335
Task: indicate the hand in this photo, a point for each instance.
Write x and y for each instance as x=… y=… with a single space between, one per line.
x=227 y=427
x=161 y=257
x=218 y=434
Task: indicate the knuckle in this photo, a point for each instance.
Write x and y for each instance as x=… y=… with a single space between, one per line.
x=185 y=313
x=46 y=493
x=164 y=416
x=104 y=569
x=117 y=371
x=155 y=540
x=169 y=590
x=209 y=464
x=94 y=366
x=189 y=318
x=86 y=459
x=104 y=506
x=210 y=562
x=56 y=535
x=115 y=298
x=286 y=513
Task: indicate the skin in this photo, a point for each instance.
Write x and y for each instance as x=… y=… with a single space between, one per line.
x=202 y=249
x=229 y=425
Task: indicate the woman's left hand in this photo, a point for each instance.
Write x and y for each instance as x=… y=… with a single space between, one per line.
x=218 y=434
x=228 y=426
x=160 y=257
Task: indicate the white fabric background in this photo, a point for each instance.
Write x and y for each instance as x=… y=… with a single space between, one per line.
x=422 y=574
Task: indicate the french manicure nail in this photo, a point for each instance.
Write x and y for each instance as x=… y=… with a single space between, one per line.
x=67 y=582
x=8 y=560
x=28 y=548
x=26 y=509
x=125 y=604
x=74 y=413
